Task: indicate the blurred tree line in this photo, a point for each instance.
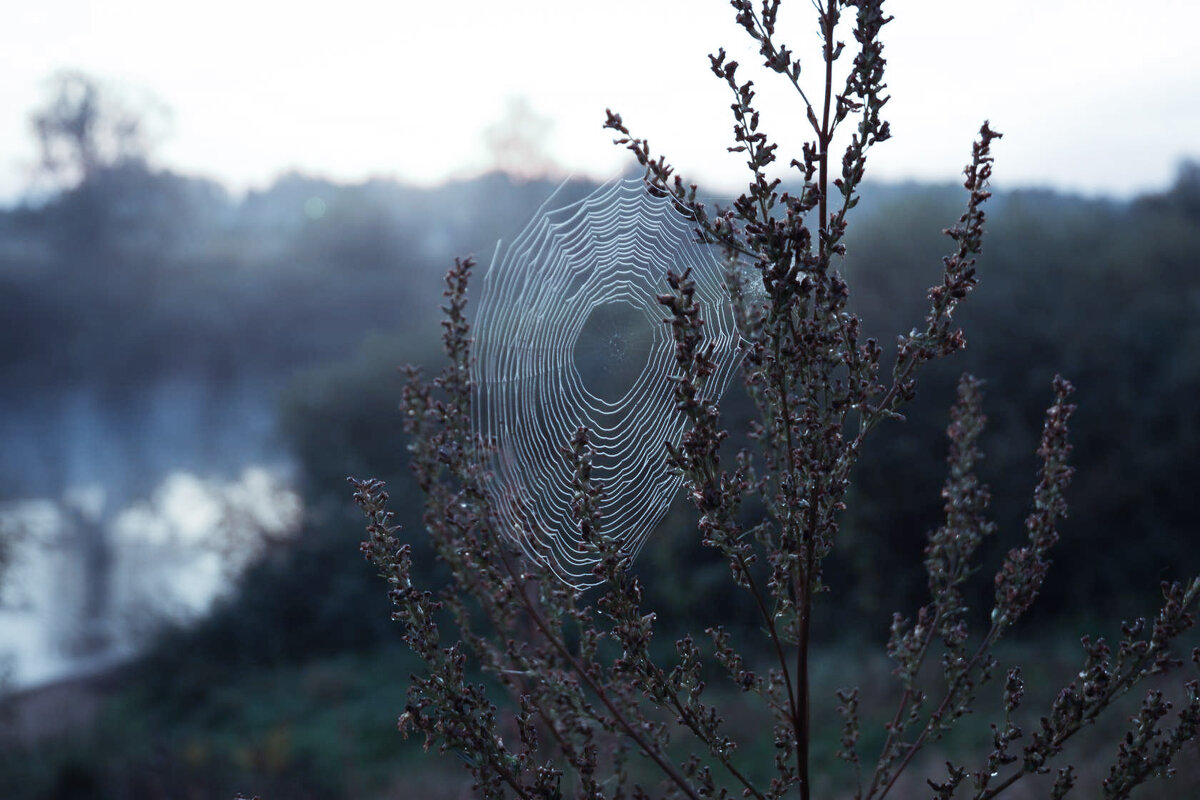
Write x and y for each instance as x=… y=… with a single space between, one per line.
x=307 y=296
x=1104 y=292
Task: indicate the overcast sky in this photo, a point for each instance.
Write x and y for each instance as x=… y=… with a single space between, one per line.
x=1094 y=96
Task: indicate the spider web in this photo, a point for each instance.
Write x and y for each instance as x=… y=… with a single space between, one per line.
x=569 y=334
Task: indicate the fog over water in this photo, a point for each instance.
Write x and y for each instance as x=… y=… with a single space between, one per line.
x=161 y=345
x=124 y=515
x=88 y=584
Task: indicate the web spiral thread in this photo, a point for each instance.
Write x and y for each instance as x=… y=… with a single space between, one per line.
x=551 y=300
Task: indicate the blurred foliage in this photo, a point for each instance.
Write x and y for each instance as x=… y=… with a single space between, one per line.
x=136 y=277
x=299 y=302
x=313 y=730
x=1101 y=292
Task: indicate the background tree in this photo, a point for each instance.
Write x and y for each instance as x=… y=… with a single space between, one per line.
x=517 y=141
x=86 y=126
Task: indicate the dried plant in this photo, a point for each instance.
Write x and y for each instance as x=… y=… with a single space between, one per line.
x=574 y=700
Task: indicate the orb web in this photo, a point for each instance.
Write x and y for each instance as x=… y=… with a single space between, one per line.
x=569 y=333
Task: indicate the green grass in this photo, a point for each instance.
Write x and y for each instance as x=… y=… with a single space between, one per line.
x=327 y=730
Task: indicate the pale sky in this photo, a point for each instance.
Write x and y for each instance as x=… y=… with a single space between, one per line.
x=1094 y=96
